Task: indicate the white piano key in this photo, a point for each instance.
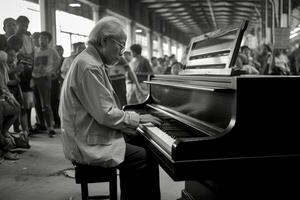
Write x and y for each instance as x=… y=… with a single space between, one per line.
x=161 y=137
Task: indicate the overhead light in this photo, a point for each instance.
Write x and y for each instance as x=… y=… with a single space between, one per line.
x=75 y=5
x=138 y=30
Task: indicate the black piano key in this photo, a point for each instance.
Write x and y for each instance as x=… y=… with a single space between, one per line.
x=180 y=134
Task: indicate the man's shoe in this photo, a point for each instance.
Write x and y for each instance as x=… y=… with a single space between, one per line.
x=22 y=141
x=52 y=133
x=11 y=156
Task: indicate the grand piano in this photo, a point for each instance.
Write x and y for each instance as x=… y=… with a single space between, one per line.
x=227 y=136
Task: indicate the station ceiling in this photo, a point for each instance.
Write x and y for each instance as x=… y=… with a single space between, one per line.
x=188 y=18
x=194 y=17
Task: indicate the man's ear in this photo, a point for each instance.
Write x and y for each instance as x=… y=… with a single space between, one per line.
x=102 y=42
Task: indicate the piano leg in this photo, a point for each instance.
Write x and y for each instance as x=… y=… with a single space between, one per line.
x=204 y=190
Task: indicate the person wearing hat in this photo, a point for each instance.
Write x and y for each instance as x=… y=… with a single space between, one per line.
x=10 y=28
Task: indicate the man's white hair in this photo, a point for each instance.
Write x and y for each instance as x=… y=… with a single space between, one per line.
x=106 y=27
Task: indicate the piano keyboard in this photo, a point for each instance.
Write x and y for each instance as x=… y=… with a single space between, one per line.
x=165 y=135
x=162 y=138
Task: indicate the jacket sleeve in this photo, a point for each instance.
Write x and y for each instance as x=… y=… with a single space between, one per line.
x=100 y=103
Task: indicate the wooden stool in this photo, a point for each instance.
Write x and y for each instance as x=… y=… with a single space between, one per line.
x=85 y=174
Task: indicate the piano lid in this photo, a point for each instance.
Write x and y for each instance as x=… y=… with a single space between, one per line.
x=214 y=53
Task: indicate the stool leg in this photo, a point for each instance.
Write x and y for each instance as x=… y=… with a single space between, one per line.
x=84 y=191
x=113 y=188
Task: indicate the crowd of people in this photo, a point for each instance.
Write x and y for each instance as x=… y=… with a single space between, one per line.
x=267 y=61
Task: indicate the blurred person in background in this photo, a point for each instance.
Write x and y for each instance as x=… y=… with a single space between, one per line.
x=9 y=111
x=46 y=63
x=132 y=83
x=10 y=28
x=280 y=66
x=265 y=58
x=40 y=125
x=55 y=87
x=35 y=39
x=294 y=58
x=25 y=57
x=78 y=47
x=142 y=69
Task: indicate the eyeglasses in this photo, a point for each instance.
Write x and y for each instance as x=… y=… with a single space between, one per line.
x=120 y=44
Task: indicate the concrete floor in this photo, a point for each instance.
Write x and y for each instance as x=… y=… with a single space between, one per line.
x=39 y=174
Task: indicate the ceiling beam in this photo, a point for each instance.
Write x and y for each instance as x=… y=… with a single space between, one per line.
x=212 y=14
x=182 y=1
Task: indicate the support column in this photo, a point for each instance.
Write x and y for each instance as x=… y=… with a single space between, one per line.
x=150 y=43
x=170 y=46
x=284 y=13
x=183 y=54
x=96 y=16
x=48 y=18
x=269 y=21
x=273 y=8
x=128 y=29
x=177 y=49
x=160 y=45
x=259 y=27
x=132 y=29
x=98 y=12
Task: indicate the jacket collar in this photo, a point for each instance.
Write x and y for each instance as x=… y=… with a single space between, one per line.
x=94 y=52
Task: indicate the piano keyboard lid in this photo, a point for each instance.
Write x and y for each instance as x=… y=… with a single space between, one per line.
x=214 y=53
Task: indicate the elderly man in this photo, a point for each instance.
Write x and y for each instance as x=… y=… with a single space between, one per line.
x=94 y=127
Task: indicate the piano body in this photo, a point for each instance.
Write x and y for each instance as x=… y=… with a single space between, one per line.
x=233 y=130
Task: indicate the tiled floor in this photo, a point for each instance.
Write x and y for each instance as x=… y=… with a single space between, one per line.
x=38 y=175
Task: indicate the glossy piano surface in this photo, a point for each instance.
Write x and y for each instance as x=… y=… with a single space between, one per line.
x=222 y=123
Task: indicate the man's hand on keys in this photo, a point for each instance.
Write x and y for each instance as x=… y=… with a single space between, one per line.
x=147 y=118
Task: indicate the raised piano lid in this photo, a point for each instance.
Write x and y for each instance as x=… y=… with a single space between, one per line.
x=214 y=53
x=205 y=103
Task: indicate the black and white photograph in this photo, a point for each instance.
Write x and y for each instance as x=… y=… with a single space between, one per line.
x=149 y=99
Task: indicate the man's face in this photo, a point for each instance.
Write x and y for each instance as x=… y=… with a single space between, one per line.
x=22 y=27
x=43 y=41
x=36 y=41
x=10 y=28
x=113 y=48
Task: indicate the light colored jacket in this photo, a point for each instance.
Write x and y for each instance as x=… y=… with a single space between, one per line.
x=91 y=119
